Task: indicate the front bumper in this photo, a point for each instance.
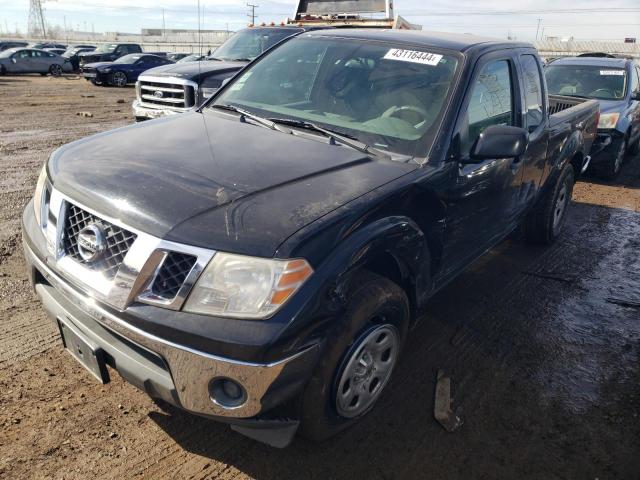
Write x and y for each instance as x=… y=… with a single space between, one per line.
x=164 y=369
x=142 y=112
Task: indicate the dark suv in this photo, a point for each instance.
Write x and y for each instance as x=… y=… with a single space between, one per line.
x=615 y=83
x=109 y=52
x=177 y=88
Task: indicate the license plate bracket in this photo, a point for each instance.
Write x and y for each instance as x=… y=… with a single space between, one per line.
x=90 y=356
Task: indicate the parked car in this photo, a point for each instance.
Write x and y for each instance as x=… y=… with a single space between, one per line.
x=43 y=45
x=5 y=45
x=194 y=57
x=123 y=71
x=57 y=51
x=188 y=85
x=73 y=54
x=615 y=84
x=177 y=56
x=81 y=45
x=260 y=260
x=109 y=52
x=31 y=60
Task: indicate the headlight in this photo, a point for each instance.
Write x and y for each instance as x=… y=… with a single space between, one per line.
x=206 y=92
x=38 y=195
x=608 y=120
x=246 y=287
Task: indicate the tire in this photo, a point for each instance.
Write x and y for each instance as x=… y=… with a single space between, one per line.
x=544 y=224
x=612 y=167
x=118 y=79
x=3 y=70
x=373 y=330
x=634 y=148
x=55 y=70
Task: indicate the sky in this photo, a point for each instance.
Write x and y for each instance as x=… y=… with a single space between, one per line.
x=584 y=19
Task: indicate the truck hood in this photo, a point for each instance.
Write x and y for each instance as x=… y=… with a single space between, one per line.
x=193 y=70
x=612 y=106
x=210 y=180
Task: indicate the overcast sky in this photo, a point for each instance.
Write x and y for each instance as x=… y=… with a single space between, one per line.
x=585 y=19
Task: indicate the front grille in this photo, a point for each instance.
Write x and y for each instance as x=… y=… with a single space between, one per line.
x=118 y=240
x=172 y=274
x=166 y=95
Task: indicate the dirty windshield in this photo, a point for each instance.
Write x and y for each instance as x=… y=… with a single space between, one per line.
x=602 y=83
x=248 y=44
x=106 y=48
x=386 y=96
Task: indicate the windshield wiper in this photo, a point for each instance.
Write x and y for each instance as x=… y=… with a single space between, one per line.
x=256 y=118
x=342 y=138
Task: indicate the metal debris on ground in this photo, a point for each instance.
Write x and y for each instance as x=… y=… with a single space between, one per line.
x=442 y=411
x=85 y=114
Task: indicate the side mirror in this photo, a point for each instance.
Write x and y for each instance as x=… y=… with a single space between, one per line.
x=14 y=60
x=636 y=96
x=225 y=81
x=499 y=141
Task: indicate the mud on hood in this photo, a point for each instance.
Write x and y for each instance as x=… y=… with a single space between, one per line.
x=209 y=180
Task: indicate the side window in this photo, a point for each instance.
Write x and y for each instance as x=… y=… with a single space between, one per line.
x=24 y=54
x=490 y=103
x=635 y=79
x=533 y=103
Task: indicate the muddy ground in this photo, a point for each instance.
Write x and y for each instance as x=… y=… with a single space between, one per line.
x=542 y=345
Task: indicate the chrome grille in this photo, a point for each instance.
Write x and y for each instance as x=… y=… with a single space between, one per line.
x=166 y=95
x=118 y=240
x=172 y=274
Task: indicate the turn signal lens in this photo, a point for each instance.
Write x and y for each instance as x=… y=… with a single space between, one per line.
x=38 y=195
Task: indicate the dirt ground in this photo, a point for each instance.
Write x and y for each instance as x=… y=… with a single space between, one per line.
x=542 y=345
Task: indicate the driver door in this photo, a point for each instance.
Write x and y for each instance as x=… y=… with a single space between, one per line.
x=482 y=203
x=21 y=62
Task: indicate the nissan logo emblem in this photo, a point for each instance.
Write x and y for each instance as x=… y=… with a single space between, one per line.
x=158 y=94
x=92 y=242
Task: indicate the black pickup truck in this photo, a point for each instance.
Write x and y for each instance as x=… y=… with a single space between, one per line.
x=108 y=52
x=260 y=261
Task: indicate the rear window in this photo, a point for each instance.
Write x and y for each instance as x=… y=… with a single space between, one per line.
x=588 y=81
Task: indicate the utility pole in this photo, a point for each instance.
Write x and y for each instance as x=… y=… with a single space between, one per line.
x=538 y=28
x=164 y=32
x=66 y=32
x=252 y=15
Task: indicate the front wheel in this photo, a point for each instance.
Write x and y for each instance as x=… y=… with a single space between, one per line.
x=544 y=224
x=55 y=70
x=119 y=79
x=358 y=359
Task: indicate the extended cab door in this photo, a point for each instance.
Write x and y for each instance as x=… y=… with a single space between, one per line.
x=483 y=203
x=534 y=120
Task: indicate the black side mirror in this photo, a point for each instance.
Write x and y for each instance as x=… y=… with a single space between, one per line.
x=499 y=141
x=636 y=96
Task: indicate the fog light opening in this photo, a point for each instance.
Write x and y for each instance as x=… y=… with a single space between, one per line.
x=227 y=393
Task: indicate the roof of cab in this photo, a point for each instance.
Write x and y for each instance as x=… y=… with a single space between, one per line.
x=450 y=41
x=595 y=61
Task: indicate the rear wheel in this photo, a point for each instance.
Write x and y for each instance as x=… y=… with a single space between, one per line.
x=119 y=79
x=634 y=148
x=359 y=358
x=544 y=224
x=55 y=70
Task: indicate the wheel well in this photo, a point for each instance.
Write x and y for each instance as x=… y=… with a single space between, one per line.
x=386 y=265
x=576 y=163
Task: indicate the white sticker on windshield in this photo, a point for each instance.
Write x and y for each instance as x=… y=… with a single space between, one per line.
x=414 y=56
x=612 y=72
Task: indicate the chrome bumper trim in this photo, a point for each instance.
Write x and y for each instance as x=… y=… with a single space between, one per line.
x=191 y=370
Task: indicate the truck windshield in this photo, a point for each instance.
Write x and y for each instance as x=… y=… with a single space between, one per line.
x=248 y=44
x=380 y=94
x=589 y=81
